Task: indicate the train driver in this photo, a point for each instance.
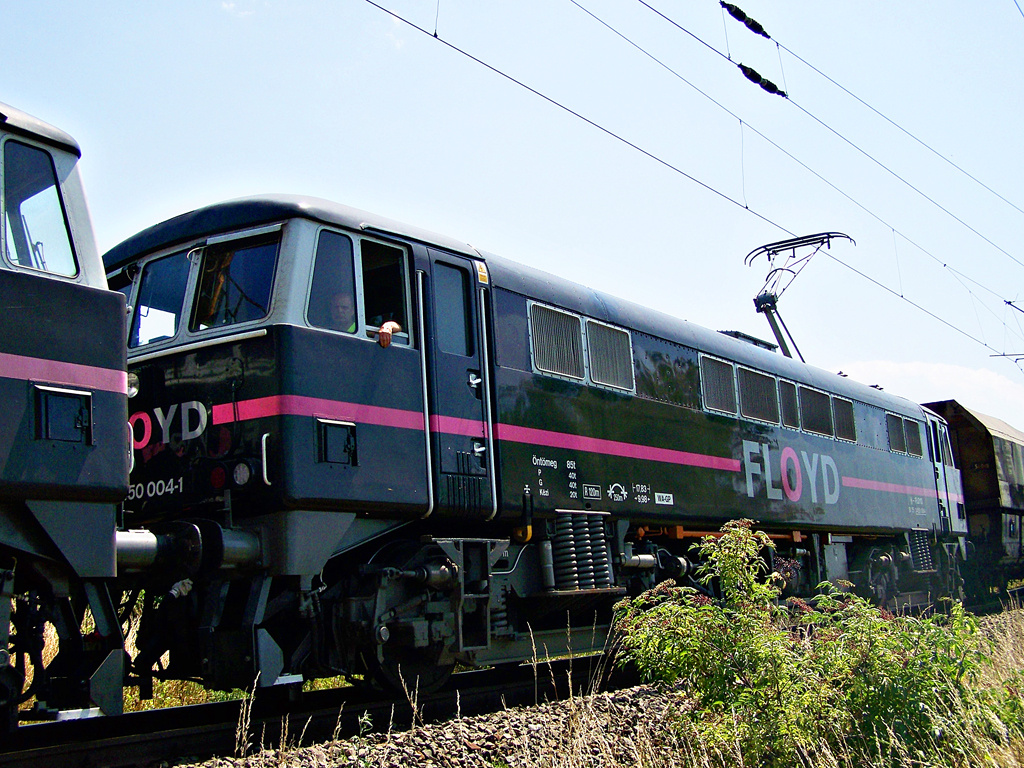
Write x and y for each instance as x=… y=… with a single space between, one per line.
x=343 y=318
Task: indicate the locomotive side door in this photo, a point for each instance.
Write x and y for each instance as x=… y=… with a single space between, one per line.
x=947 y=476
x=456 y=355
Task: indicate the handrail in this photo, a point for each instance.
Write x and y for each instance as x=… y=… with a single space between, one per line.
x=422 y=337
x=485 y=369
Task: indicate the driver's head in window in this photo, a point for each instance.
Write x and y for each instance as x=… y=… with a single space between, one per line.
x=332 y=303
x=342 y=312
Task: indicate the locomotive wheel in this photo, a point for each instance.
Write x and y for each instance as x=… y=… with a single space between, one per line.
x=877 y=583
x=408 y=670
x=950 y=581
x=395 y=664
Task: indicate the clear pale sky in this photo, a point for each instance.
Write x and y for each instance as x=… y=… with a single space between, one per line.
x=177 y=105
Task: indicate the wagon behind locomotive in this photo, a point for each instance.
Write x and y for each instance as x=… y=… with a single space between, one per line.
x=526 y=451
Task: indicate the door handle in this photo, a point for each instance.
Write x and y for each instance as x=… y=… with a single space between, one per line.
x=475 y=380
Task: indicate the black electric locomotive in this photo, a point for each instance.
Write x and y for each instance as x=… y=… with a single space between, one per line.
x=362 y=447
x=63 y=442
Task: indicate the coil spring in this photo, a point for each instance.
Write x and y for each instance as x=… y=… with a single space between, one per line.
x=920 y=552
x=564 y=550
x=499 y=613
x=580 y=553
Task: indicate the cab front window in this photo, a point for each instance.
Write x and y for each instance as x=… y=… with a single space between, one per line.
x=235 y=281
x=159 y=300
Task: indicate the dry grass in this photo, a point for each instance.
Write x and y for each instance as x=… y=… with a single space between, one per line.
x=646 y=727
x=642 y=727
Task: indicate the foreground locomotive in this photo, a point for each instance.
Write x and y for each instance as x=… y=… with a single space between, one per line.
x=307 y=500
x=63 y=444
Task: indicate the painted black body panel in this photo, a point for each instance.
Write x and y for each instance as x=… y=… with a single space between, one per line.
x=704 y=473
x=62 y=425
x=612 y=475
x=289 y=384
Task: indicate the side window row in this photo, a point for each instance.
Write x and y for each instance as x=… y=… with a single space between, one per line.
x=904 y=435
x=735 y=389
x=776 y=401
x=582 y=349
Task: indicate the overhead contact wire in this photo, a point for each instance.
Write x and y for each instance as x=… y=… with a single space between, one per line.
x=585 y=119
x=900 y=128
x=928 y=312
x=833 y=130
x=738 y=14
x=788 y=154
x=679 y=171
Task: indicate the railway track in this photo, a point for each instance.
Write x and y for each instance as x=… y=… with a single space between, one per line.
x=199 y=732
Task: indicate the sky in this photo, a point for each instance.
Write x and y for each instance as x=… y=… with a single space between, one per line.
x=642 y=163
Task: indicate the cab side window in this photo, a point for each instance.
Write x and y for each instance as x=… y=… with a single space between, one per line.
x=385 y=297
x=36 y=229
x=332 y=297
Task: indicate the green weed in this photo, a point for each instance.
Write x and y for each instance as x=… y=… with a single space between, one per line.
x=798 y=683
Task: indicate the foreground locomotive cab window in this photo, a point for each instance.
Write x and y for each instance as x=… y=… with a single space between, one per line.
x=385 y=294
x=234 y=282
x=611 y=356
x=34 y=222
x=897 y=437
x=332 y=297
x=719 y=385
x=158 y=305
x=758 y=396
x=915 y=446
x=557 y=341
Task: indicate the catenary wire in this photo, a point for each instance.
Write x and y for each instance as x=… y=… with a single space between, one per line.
x=665 y=163
x=848 y=141
x=587 y=120
x=754 y=26
x=901 y=128
x=959 y=276
x=928 y=312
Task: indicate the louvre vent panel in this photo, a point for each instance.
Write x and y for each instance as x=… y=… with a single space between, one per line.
x=758 y=397
x=557 y=341
x=719 y=385
x=611 y=356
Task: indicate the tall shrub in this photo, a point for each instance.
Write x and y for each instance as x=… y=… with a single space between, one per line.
x=783 y=683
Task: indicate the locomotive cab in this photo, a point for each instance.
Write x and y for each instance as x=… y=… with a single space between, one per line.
x=270 y=414
x=63 y=458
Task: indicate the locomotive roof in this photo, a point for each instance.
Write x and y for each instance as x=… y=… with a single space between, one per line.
x=558 y=291
x=264 y=209
x=16 y=121
x=254 y=211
